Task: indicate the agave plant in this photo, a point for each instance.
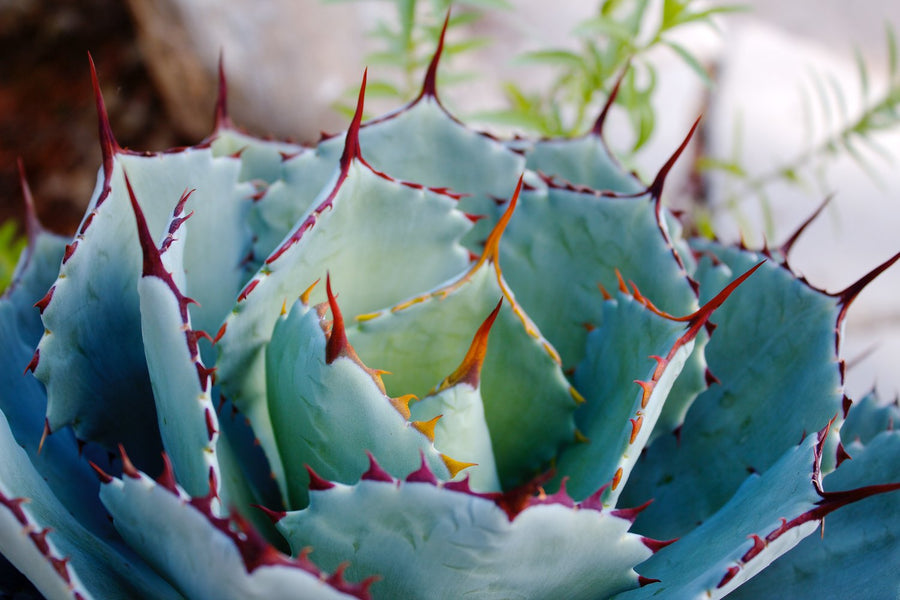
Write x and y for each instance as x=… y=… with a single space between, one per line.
x=423 y=424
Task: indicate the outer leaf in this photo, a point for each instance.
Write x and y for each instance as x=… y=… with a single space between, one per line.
x=858 y=541
x=779 y=327
x=202 y=555
x=98 y=277
x=767 y=516
x=430 y=541
x=22 y=398
x=52 y=548
x=401 y=144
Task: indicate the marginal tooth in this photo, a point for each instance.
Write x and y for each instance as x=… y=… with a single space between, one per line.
x=426 y=428
x=606 y=294
x=401 y=404
x=337 y=344
x=469 y=371
x=646 y=390
x=304 y=297
x=635 y=427
x=617 y=478
x=455 y=466
x=576 y=395
x=622 y=287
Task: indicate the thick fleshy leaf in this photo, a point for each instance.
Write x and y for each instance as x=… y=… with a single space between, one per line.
x=402 y=145
x=528 y=402
x=328 y=408
x=432 y=541
x=88 y=377
x=767 y=516
x=774 y=354
x=618 y=415
x=261 y=160
x=181 y=383
x=583 y=161
x=618 y=418
x=859 y=541
x=209 y=557
x=424 y=144
x=51 y=546
x=562 y=243
x=869 y=417
x=28 y=293
x=23 y=400
x=386 y=239
x=284 y=202
x=461 y=429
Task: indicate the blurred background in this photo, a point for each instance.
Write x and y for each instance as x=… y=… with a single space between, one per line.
x=800 y=102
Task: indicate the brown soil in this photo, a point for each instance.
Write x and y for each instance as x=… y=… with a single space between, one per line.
x=47 y=113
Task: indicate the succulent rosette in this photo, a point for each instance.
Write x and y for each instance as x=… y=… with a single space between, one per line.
x=419 y=361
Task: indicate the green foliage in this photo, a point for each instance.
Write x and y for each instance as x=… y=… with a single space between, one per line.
x=836 y=133
x=615 y=40
x=11 y=246
x=405 y=45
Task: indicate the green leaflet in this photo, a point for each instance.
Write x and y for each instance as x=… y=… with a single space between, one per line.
x=774 y=343
x=719 y=555
x=181 y=539
x=328 y=410
x=428 y=541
